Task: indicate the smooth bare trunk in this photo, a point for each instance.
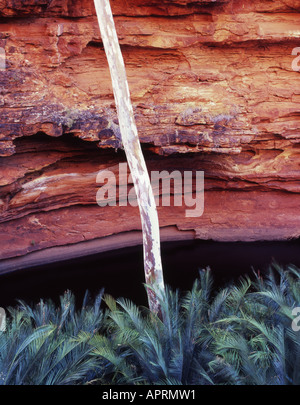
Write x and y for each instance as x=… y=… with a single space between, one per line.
x=134 y=154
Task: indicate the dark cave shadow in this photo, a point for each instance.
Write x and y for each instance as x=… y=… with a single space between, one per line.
x=121 y=274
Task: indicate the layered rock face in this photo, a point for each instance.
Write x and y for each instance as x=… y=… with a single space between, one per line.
x=214 y=89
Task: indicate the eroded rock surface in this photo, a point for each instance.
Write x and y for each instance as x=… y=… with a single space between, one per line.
x=213 y=89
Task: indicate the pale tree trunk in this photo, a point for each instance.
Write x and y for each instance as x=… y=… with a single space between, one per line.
x=134 y=154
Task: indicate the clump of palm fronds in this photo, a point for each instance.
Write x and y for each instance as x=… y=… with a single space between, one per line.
x=254 y=330
x=40 y=345
x=145 y=348
x=241 y=334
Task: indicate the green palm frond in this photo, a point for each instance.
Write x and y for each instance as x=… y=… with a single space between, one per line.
x=39 y=346
x=241 y=334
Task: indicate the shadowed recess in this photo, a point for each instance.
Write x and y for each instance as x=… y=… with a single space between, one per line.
x=120 y=272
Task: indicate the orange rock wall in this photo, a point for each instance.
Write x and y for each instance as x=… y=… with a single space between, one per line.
x=213 y=89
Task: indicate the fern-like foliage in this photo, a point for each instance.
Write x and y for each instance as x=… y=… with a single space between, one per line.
x=40 y=345
x=146 y=349
x=241 y=334
x=254 y=330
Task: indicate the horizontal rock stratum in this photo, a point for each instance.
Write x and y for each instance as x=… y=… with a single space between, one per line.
x=213 y=88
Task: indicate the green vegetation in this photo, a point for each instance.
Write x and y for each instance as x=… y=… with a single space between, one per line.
x=41 y=347
x=240 y=335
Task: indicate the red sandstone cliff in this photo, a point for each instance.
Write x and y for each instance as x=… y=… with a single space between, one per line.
x=213 y=89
